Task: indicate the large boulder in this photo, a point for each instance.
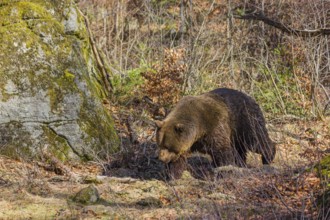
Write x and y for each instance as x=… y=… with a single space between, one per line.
x=50 y=89
x=323 y=168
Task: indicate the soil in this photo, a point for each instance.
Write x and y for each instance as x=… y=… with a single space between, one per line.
x=134 y=185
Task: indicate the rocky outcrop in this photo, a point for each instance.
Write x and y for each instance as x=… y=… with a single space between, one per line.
x=50 y=88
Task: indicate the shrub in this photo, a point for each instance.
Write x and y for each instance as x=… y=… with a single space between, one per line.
x=164 y=81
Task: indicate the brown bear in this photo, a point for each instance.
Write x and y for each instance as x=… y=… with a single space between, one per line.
x=223 y=123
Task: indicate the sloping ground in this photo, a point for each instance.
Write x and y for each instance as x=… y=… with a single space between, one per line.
x=134 y=187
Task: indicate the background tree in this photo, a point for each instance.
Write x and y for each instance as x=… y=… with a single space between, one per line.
x=277 y=51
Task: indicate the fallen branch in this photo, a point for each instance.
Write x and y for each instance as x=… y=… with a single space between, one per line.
x=58 y=167
x=254 y=14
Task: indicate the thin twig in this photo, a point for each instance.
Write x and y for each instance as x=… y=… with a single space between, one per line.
x=254 y=14
x=99 y=60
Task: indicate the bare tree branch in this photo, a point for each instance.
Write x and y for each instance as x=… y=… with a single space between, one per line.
x=99 y=59
x=254 y=14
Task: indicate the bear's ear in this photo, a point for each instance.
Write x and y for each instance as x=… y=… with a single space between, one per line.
x=159 y=124
x=179 y=128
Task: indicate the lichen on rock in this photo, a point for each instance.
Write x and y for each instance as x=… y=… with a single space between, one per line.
x=323 y=169
x=88 y=195
x=49 y=84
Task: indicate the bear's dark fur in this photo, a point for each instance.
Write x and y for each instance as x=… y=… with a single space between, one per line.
x=223 y=123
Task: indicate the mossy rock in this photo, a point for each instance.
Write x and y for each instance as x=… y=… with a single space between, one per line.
x=323 y=169
x=150 y=202
x=50 y=89
x=87 y=196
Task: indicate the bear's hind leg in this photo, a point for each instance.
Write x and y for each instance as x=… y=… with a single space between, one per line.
x=240 y=152
x=268 y=153
x=240 y=157
x=263 y=144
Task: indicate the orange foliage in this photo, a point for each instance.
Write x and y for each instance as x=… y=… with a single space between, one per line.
x=163 y=83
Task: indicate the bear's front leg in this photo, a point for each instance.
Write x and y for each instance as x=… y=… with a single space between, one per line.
x=176 y=168
x=222 y=156
x=218 y=146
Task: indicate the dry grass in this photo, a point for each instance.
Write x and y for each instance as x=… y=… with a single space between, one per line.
x=288 y=75
x=134 y=186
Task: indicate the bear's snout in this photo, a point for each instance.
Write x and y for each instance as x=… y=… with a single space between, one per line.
x=167 y=156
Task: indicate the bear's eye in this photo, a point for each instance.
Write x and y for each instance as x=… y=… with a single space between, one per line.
x=179 y=128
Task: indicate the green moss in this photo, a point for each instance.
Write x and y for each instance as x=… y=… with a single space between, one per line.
x=94 y=81
x=108 y=142
x=81 y=33
x=29 y=10
x=69 y=76
x=59 y=146
x=62 y=86
x=92 y=180
x=55 y=98
x=99 y=90
x=67 y=80
x=19 y=12
x=24 y=40
x=58 y=63
x=323 y=169
x=17 y=33
x=88 y=195
x=129 y=86
x=11 y=138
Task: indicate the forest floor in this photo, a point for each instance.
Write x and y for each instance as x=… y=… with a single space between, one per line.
x=133 y=185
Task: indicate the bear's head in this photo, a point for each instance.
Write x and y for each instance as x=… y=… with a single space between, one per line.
x=192 y=118
x=174 y=138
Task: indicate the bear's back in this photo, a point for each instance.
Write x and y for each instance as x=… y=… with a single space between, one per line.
x=232 y=96
x=236 y=101
x=243 y=109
